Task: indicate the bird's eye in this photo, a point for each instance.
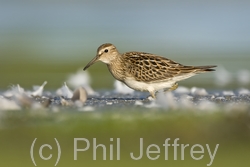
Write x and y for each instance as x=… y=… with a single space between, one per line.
x=106 y=50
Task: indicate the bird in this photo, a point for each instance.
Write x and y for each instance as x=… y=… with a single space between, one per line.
x=145 y=71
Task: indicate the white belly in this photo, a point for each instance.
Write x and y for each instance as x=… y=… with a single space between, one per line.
x=151 y=87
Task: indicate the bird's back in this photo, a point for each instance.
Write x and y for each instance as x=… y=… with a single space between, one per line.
x=148 y=67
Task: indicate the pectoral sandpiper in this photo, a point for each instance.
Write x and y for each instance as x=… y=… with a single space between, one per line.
x=144 y=71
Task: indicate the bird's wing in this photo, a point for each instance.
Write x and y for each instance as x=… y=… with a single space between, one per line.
x=152 y=68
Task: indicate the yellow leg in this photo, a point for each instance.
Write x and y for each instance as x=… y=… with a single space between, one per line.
x=174 y=86
x=152 y=96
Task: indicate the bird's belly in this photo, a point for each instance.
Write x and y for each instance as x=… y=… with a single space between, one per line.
x=144 y=86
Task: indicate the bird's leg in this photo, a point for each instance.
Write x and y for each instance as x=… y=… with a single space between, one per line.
x=152 y=95
x=174 y=86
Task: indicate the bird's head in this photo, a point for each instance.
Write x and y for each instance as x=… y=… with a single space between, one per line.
x=106 y=53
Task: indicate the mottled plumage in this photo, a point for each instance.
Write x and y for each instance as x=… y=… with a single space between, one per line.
x=145 y=71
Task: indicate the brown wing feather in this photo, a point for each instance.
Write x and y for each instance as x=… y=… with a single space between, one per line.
x=152 y=68
x=148 y=67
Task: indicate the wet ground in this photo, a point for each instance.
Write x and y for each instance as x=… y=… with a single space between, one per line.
x=193 y=99
x=183 y=98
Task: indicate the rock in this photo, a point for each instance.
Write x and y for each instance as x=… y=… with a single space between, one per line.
x=80 y=94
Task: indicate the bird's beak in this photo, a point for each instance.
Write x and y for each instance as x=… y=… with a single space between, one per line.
x=95 y=59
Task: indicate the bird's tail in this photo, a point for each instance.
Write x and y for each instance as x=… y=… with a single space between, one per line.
x=205 y=68
x=198 y=69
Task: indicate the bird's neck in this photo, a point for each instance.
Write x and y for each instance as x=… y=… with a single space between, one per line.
x=116 y=69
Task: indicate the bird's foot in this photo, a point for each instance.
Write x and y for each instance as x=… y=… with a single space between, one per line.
x=150 y=98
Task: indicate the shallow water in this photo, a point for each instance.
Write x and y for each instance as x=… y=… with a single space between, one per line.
x=181 y=99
